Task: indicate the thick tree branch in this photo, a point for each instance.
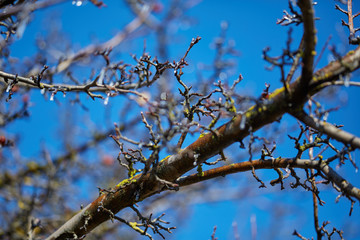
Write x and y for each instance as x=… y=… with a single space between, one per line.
x=335 y=70
x=309 y=45
x=342 y=183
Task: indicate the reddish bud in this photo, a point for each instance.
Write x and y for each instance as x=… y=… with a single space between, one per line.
x=99 y=4
x=158 y=7
x=107 y=160
x=15 y=88
x=2 y=140
x=25 y=98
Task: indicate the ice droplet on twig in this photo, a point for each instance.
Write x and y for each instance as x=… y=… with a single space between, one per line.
x=243 y=121
x=21 y=27
x=77 y=3
x=346 y=79
x=106 y=101
x=326 y=115
x=8 y=88
x=101 y=77
x=52 y=97
x=196 y=156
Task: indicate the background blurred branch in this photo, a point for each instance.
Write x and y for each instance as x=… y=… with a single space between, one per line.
x=28 y=7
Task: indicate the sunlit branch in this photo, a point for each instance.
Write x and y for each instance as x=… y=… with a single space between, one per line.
x=328 y=129
x=344 y=185
x=350 y=24
x=89 y=87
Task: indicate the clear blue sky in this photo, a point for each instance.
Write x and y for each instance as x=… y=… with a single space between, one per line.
x=252 y=25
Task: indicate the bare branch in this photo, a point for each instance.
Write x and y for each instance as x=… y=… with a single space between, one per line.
x=344 y=185
x=328 y=129
x=355 y=40
x=309 y=42
x=208 y=145
x=28 y=7
x=110 y=44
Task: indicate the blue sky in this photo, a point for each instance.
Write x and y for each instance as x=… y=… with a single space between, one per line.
x=252 y=25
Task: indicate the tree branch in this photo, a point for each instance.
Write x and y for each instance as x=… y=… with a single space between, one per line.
x=89 y=87
x=309 y=45
x=10 y=11
x=344 y=185
x=111 y=43
x=328 y=129
x=171 y=168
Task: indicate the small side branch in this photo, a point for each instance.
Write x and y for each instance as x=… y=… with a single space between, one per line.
x=88 y=88
x=328 y=129
x=110 y=44
x=346 y=187
x=350 y=24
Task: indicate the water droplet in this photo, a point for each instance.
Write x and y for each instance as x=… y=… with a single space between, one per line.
x=163 y=96
x=224 y=24
x=242 y=122
x=21 y=27
x=52 y=97
x=326 y=115
x=347 y=80
x=106 y=101
x=8 y=88
x=77 y=3
x=196 y=156
x=222 y=76
x=101 y=77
